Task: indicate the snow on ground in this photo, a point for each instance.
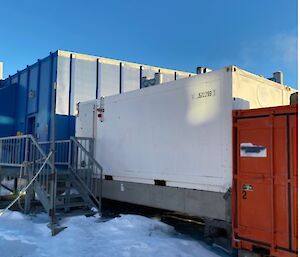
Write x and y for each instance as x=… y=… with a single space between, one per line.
x=9 y=184
x=125 y=236
x=4 y=191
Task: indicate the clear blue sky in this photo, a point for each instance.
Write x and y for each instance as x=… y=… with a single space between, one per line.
x=257 y=35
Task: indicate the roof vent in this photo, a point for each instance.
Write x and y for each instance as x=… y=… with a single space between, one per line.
x=202 y=70
x=152 y=82
x=294 y=98
x=277 y=77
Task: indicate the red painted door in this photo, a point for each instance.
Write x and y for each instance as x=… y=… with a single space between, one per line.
x=293 y=139
x=267 y=180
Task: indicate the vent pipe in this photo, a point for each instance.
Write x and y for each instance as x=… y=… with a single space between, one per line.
x=158 y=79
x=278 y=77
x=294 y=98
x=202 y=70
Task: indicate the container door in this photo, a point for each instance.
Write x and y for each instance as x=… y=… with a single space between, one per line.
x=254 y=179
x=293 y=126
x=85 y=122
x=262 y=185
x=31 y=126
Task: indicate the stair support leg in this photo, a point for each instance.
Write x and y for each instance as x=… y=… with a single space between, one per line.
x=29 y=193
x=15 y=185
x=67 y=199
x=28 y=198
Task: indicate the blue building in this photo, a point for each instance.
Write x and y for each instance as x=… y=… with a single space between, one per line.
x=26 y=97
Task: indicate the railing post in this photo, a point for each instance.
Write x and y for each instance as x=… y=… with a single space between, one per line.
x=26 y=172
x=76 y=159
x=94 y=170
x=1 y=150
x=53 y=179
x=1 y=160
x=91 y=163
x=68 y=183
x=100 y=192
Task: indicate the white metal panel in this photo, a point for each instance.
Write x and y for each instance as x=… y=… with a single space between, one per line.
x=109 y=79
x=167 y=76
x=182 y=75
x=84 y=78
x=83 y=87
x=261 y=91
x=85 y=122
x=149 y=71
x=63 y=82
x=169 y=133
x=130 y=77
x=180 y=132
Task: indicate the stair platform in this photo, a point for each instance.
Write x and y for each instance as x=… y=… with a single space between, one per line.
x=9 y=171
x=65 y=184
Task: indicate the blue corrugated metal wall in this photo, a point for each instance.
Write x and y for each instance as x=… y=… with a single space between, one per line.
x=26 y=97
x=32 y=97
x=65 y=126
x=79 y=78
x=7 y=110
x=36 y=82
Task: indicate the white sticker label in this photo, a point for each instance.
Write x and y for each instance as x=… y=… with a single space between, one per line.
x=204 y=94
x=122 y=188
x=252 y=150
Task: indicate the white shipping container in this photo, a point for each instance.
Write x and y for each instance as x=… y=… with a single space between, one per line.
x=179 y=132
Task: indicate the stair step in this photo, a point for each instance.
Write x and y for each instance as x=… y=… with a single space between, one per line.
x=60 y=183
x=73 y=213
x=69 y=196
x=70 y=205
x=62 y=179
x=60 y=188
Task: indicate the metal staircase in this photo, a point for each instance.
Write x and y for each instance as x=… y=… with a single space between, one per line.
x=66 y=183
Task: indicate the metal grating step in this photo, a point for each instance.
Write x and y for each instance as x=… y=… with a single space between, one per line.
x=71 y=196
x=71 y=205
x=77 y=212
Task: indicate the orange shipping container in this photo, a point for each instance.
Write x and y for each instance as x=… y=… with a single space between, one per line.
x=265 y=180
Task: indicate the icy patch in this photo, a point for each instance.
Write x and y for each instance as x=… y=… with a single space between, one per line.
x=125 y=236
x=4 y=191
x=73 y=191
x=9 y=184
x=19 y=248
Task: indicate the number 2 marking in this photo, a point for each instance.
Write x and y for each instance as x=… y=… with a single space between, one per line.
x=244 y=194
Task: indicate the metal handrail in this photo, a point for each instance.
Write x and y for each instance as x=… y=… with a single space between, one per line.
x=25 y=151
x=75 y=140
x=84 y=185
x=29 y=136
x=57 y=141
x=61 y=150
x=17 y=147
x=87 y=184
x=23 y=191
x=14 y=137
x=40 y=150
x=82 y=138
